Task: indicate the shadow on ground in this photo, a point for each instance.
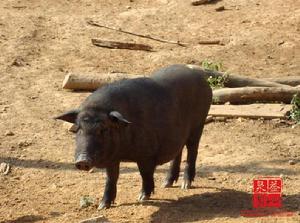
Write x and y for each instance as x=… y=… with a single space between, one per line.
x=40 y=163
x=250 y=167
x=255 y=167
x=206 y=206
x=47 y=164
x=26 y=218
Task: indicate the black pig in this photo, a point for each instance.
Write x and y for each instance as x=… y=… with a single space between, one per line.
x=143 y=120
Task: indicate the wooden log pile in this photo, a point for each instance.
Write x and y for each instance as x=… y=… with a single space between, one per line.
x=237 y=89
x=244 y=90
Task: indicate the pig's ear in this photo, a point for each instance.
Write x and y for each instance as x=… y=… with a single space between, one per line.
x=69 y=116
x=116 y=117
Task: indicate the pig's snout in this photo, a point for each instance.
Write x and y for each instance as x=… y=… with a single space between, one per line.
x=83 y=163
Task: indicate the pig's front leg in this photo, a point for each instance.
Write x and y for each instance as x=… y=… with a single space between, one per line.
x=110 y=192
x=146 y=169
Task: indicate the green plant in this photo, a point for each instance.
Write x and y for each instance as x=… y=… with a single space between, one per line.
x=214 y=82
x=86 y=201
x=214 y=66
x=215 y=100
x=295 y=112
x=217 y=82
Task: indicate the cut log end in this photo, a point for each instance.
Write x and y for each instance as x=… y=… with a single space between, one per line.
x=66 y=81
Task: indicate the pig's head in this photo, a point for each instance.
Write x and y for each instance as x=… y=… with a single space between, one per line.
x=96 y=136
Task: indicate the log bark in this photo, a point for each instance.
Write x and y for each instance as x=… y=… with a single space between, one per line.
x=237 y=80
x=248 y=95
x=253 y=111
x=289 y=80
x=91 y=82
x=234 y=81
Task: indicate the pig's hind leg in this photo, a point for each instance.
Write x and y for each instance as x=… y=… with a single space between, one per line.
x=192 y=152
x=173 y=173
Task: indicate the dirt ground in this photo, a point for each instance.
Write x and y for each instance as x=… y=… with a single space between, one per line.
x=41 y=41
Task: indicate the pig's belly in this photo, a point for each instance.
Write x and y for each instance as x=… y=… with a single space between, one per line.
x=166 y=155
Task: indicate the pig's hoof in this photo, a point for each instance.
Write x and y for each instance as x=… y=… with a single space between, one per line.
x=104 y=205
x=143 y=197
x=186 y=184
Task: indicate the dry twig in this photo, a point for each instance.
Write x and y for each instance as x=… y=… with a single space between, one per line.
x=90 y=22
x=121 y=45
x=203 y=2
x=209 y=42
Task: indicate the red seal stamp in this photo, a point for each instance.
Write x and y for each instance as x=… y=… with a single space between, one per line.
x=267 y=192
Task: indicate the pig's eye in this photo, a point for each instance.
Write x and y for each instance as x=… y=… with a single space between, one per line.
x=91 y=119
x=87 y=119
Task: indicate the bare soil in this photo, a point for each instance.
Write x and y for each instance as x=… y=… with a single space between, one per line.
x=41 y=41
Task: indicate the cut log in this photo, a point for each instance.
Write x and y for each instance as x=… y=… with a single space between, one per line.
x=91 y=82
x=237 y=80
x=202 y=2
x=233 y=81
x=290 y=80
x=220 y=9
x=254 y=111
x=120 y=45
x=242 y=81
x=209 y=42
x=248 y=95
x=209 y=119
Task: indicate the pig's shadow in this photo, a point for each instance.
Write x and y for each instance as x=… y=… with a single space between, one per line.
x=224 y=203
x=25 y=218
x=206 y=206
